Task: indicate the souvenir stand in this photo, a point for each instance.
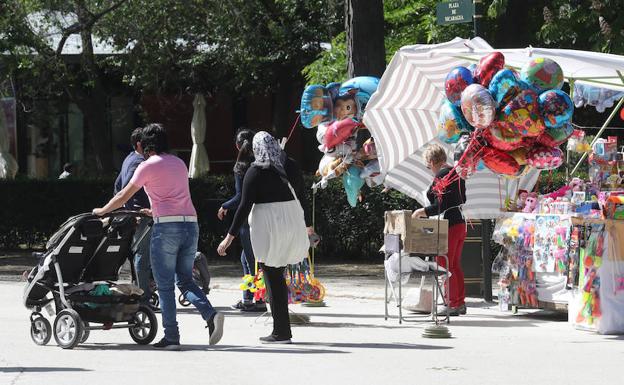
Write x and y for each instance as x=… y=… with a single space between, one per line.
x=505 y=115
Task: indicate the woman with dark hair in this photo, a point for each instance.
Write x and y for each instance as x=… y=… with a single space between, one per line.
x=174 y=234
x=277 y=227
x=244 y=138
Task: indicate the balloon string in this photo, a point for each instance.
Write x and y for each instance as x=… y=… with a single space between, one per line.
x=292 y=129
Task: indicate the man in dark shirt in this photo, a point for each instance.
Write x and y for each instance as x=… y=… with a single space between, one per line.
x=138 y=201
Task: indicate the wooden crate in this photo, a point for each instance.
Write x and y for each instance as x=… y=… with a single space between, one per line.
x=422 y=236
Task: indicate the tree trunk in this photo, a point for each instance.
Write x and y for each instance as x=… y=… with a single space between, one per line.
x=364 y=23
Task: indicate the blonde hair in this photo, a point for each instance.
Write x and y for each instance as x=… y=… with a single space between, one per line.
x=434 y=154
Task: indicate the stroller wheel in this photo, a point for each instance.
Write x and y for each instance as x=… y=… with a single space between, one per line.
x=144 y=326
x=183 y=301
x=67 y=329
x=40 y=331
x=85 y=332
x=154 y=300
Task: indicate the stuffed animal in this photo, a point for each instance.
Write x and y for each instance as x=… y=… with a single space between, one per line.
x=520 y=201
x=531 y=203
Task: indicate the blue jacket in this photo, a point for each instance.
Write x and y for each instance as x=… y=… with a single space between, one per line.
x=139 y=200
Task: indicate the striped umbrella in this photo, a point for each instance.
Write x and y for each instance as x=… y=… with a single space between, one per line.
x=402 y=117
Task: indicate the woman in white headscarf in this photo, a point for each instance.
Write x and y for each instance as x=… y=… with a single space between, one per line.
x=278 y=230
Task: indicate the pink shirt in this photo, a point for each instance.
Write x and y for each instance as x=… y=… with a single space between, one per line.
x=165 y=179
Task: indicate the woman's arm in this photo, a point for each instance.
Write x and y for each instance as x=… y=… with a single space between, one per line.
x=247 y=200
x=233 y=202
x=118 y=200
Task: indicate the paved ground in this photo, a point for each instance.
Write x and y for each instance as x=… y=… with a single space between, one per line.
x=347 y=342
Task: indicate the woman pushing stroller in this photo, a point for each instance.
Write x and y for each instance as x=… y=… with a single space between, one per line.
x=174 y=236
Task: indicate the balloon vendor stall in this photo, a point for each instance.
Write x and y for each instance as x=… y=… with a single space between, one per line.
x=347 y=146
x=504 y=115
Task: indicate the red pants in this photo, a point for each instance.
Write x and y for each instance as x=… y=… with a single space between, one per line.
x=456 y=237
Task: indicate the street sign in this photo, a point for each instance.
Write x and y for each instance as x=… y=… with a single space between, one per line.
x=453 y=12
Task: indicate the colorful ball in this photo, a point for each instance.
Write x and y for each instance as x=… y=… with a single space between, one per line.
x=478 y=106
x=556 y=108
x=542 y=74
x=456 y=81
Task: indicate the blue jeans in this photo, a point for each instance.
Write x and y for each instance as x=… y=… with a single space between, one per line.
x=247 y=259
x=142 y=264
x=173 y=248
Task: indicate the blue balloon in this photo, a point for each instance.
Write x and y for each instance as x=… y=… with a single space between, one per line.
x=451 y=123
x=556 y=108
x=316 y=106
x=504 y=86
x=365 y=87
x=352 y=184
x=456 y=81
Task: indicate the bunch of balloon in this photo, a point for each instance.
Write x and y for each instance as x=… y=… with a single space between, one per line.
x=510 y=121
x=348 y=147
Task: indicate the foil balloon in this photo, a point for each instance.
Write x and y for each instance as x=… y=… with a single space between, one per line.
x=502 y=140
x=488 y=66
x=521 y=116
x=362 y=87
x=554 y=137
x=371 y=173
x=460 y=147
x=545 y=158
x=478 y=106
x=467 y=157
x=500 y=162
x=316 y=106
x=339 y=131
x=504 y=86
x=352 y=184
x=556 y=108
x=524 y=169
x=542 y=74
x=456 y=81
x=451 y=123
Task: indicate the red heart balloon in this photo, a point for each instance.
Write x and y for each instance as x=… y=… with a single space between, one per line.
x=500 y=162
x=339 y=131
x=488 y=66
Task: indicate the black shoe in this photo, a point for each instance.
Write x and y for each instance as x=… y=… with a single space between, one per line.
x=462 y=309
x=240 y=305
x=167 y=345
x=215 y=328
x=271 y=339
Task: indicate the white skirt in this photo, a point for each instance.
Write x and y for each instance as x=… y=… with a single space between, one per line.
x=278 y=233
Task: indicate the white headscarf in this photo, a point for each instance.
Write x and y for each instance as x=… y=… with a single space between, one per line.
x=268 y=154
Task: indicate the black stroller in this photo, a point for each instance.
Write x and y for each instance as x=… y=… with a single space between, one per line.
x=78 y=273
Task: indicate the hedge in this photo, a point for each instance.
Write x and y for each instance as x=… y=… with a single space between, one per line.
x=33 y=210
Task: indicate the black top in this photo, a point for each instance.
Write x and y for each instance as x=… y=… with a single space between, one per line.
x=233 y=202
x=266 y=186
x=453 y=196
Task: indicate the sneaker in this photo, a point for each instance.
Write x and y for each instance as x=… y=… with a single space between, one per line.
x=453 y=311
x=462 y=309
x=271 y=339
x=165 y=344
x=215 y=328
x=240 y=305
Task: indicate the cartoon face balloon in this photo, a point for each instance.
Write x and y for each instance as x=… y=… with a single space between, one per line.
x=521 y=116
x=456 y=81
x=488 y=66
x=451 y=123
x=316 y=106
x=345 y=107
x=542 y=74
x=556 y=107
x=478 y=106
x=504 y=86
